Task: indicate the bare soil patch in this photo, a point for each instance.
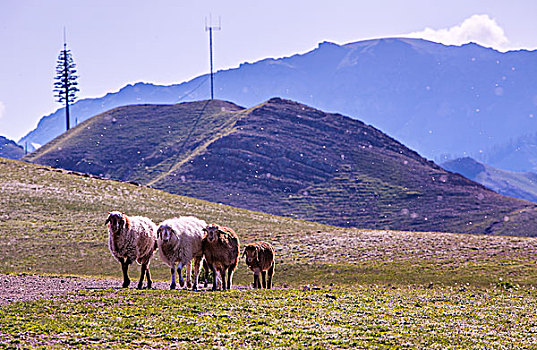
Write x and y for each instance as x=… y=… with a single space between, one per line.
x=25 y=287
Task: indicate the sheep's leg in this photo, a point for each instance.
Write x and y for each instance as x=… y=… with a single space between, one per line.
x=197 y=265
x=255 y=280
x=230 y=271
x=172 y=270
x=142 y=274
x=270 y=274
x=188 y=275
x=264 y=278
x=125 y=268
x=257 y=284
x=180 y=274
x=223 y=276
x=215 y=277
x=148 y=277
x=206 y=273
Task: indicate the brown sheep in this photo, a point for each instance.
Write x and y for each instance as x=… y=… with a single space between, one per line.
x=260 y=258
x=221 y=248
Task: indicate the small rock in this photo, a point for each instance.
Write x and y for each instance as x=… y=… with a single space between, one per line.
x=330 y=296
x=306 y=288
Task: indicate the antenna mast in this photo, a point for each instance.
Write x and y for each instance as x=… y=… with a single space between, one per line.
x=209 y=28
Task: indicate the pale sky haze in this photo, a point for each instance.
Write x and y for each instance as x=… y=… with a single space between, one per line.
x=118 y=42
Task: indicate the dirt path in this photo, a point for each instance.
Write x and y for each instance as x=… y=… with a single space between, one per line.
x=24 y=287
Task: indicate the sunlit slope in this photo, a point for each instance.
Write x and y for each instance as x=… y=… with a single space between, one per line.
x=138 y=143
x=285 y=158
x=52 y=221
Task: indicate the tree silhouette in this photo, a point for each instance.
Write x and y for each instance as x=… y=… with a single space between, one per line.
x=65 y=86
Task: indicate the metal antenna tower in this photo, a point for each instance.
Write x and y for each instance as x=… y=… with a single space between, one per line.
x=210 y=29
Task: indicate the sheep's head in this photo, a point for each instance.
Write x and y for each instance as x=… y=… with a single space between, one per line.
x=252 y=253
x=116 y=220
x=212 y=231
x=164 y=233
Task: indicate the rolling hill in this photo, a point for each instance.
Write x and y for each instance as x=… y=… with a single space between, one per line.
x=442 y=101
x=509 y=183
x=284 y=158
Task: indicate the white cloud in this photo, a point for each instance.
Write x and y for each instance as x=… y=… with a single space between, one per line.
x=2 y=109
x=480 y=29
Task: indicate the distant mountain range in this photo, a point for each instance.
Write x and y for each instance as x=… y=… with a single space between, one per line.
x=443 y=101
x=9 y=149
x=285 y=158
x=518 y=154
x=514 y=184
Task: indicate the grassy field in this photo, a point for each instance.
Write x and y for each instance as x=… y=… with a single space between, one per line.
x=366 y=289
x=359 y=317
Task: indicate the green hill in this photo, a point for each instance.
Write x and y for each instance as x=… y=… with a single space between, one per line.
x=288 y=159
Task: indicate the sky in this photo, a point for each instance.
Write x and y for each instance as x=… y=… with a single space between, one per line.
x=120 y=42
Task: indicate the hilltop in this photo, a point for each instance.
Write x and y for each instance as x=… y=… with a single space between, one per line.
x=284 y=158
x=442 y=101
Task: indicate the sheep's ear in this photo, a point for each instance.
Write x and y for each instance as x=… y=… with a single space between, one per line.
x=107 y=220
x=257 y=252
x=243 y=253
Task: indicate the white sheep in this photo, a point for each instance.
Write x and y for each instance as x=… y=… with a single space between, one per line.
x=132 y=238
x=179 y=241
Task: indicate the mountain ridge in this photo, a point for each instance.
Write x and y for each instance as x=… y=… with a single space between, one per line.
x=9 y=149
x=442 y=101
x=521 y=185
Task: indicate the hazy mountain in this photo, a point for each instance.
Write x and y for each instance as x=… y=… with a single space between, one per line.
x=436 y=99
x=9 y=149
x=284 y=158
x=518 y=154
x=514 y=184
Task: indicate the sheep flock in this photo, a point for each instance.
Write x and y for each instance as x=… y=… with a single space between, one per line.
x=186 y=242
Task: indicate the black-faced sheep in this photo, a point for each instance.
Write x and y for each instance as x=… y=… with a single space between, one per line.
x=260 y=259
x=179 y=241
x=221 y=248
x=132 y=238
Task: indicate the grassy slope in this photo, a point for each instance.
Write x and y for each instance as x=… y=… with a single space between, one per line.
x=153 y=139
x=399 y=289
x=288 y=159
x=53 y=222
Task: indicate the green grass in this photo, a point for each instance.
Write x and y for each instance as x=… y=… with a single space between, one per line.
x=378 y=289
x=377 y=317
